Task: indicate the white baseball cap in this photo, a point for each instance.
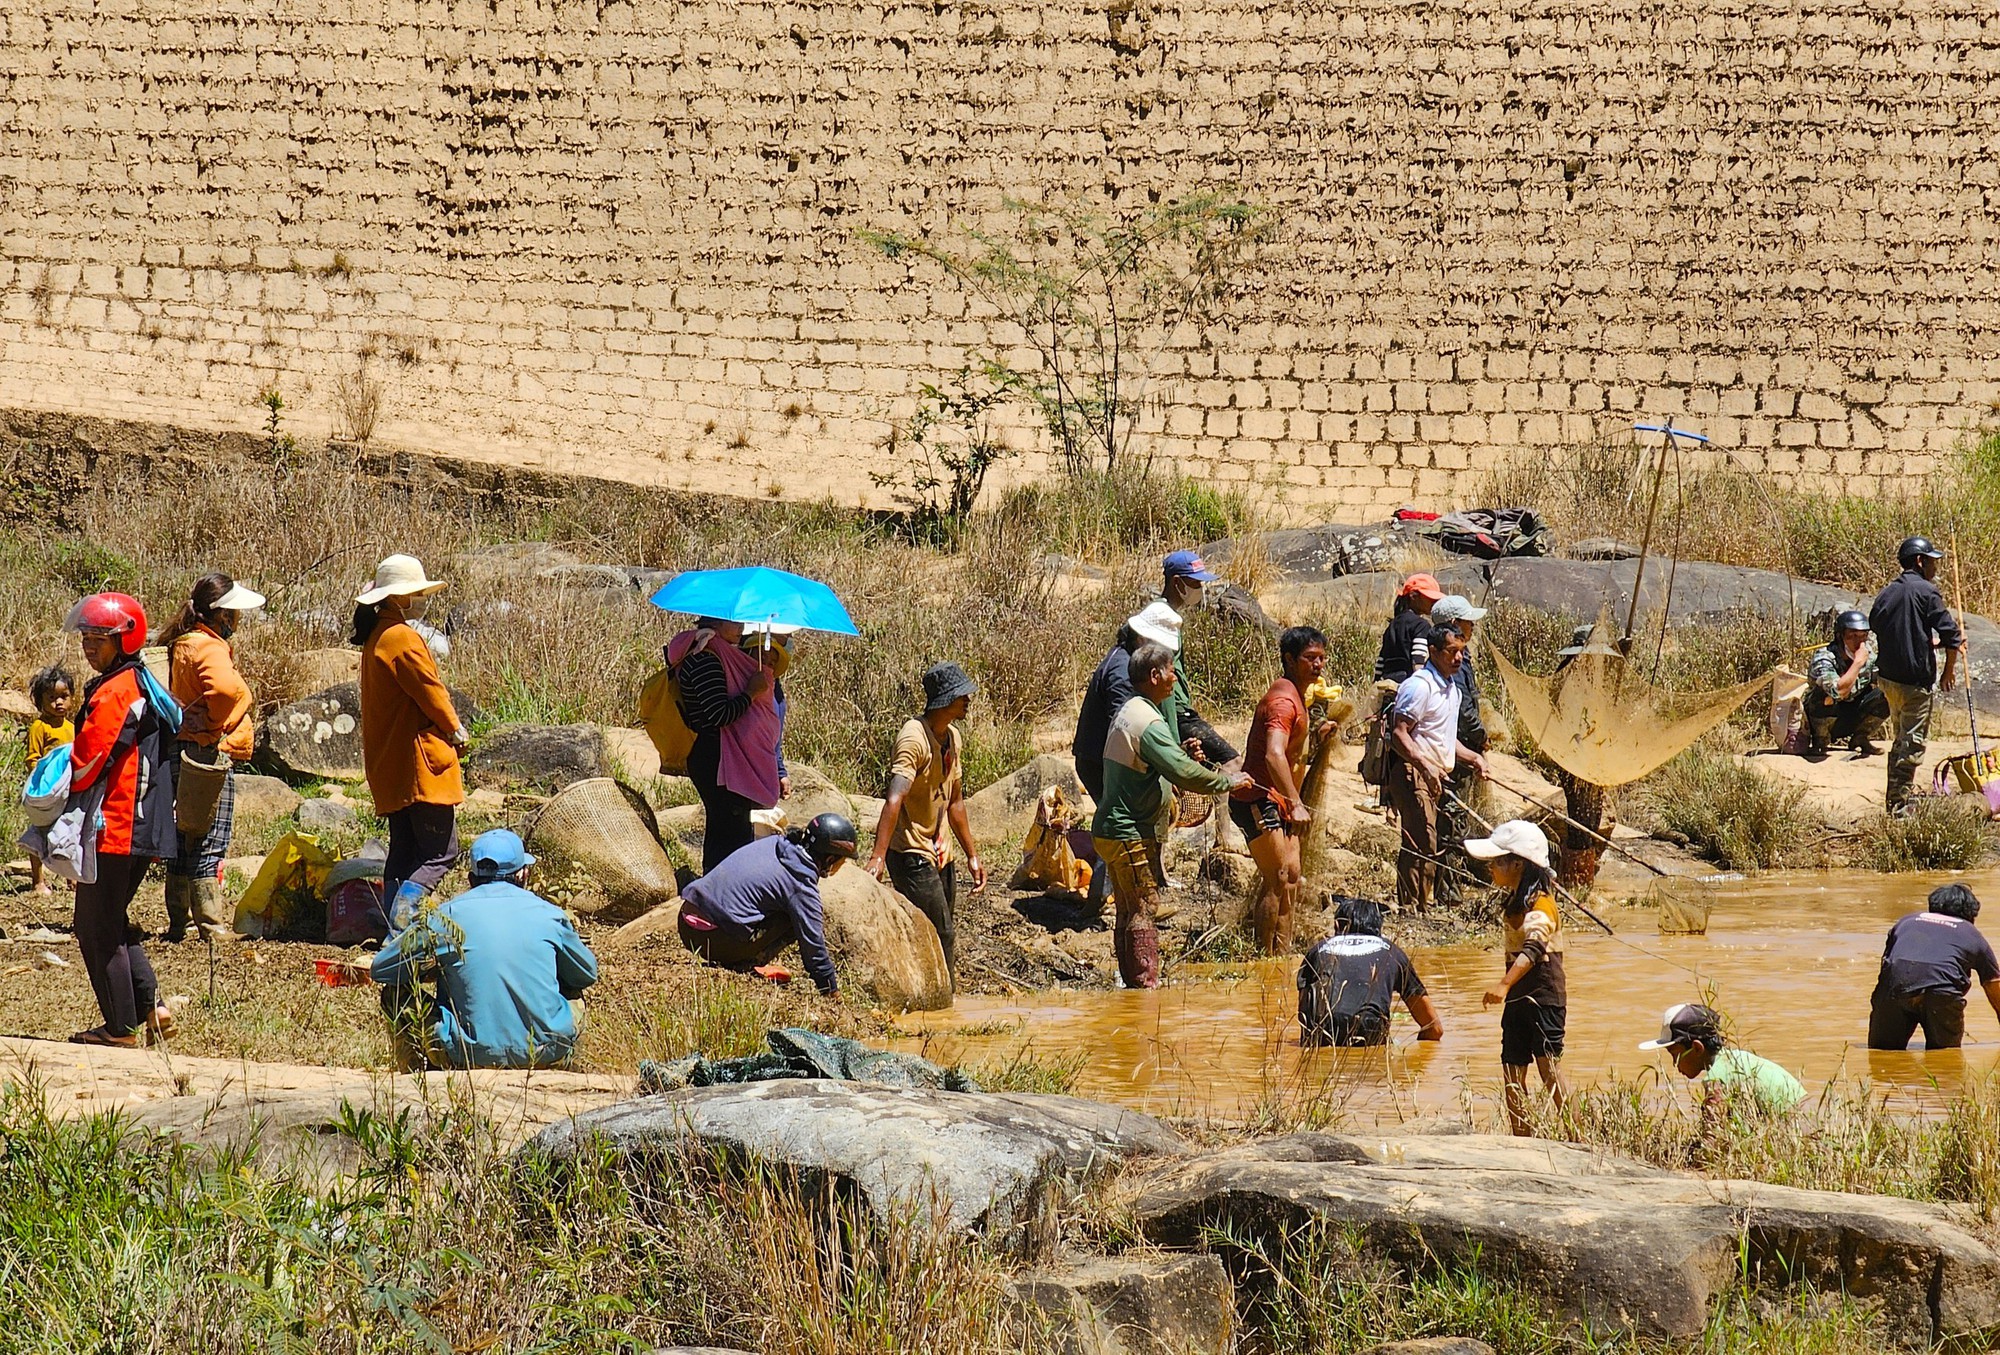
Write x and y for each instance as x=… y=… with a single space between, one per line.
x=1515 y=837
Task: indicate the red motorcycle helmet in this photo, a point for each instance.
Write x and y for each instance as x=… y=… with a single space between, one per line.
x=111 y=614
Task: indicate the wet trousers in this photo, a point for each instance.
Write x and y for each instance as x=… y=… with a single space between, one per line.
x=1417 y=813
x=1136 y=874
x=935 y=893
x=113 y=956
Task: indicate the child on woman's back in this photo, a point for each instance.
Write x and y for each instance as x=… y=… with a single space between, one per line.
x=53 y=691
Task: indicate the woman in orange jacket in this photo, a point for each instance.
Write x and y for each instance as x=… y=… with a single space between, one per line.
x=410 y=736
x=118 y=775
x=215 y=731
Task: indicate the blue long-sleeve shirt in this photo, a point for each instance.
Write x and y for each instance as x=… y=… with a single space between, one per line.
x=508 y=965
x=771 y=880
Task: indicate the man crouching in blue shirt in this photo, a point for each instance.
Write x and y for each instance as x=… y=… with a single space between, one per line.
x=507 y=966
x=763 y=897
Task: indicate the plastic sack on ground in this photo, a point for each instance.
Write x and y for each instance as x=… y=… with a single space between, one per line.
x=1788 y=711
x=354 y=910
x=798 y=1053
x=291 y=880
x=1048 y=859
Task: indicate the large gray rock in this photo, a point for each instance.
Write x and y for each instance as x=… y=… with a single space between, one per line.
x=509 y=560
x=881 y=944
x=325 y=816
x=319 y=736
x=538 y=757
x=997 y=1164
x=813 y=794
x=264 y=798
x=1137 y=1305
x=1000 y=814
x=1327 y=551
x=1622 y=1244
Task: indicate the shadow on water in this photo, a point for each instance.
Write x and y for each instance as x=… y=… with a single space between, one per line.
x=1789 y=958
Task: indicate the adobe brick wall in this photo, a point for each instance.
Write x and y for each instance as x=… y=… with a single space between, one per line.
x=618 y=237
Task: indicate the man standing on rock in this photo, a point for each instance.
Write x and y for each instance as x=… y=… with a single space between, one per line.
x=1143 y=763
x=1911 y=623
x=1423 y=750
x=927 y=793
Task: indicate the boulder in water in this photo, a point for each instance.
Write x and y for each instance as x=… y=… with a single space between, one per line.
x=995 y=1163
x=881 y=944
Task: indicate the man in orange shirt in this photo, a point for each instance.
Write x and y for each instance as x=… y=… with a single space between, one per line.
x=1270 y=811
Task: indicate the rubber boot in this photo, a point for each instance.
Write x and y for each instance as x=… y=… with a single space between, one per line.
x=211 y=913
x=404 y=907
x=179 y=891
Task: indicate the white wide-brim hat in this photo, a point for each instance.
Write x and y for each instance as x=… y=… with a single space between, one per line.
x=1515 y=837
x=239 y=599
x=1158 y=623
x=399 y=576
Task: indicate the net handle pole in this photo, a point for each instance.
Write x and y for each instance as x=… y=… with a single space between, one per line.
x=1554 y=883
x=1591 y=833
x=1645 y=545
x=1958 y=588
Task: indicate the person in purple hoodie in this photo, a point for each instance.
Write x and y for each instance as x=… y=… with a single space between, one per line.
x=764 y=897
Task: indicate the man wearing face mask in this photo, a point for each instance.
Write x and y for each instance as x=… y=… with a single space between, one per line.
x=411 y=736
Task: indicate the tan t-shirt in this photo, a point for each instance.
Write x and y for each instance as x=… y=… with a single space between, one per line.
x=933 y=770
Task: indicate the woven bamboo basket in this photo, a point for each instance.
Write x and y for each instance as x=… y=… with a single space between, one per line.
x=608 y=830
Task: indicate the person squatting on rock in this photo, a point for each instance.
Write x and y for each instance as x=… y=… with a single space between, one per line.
x=1423 y=750
x=1347 y=982
x=1843 y=701
x=120 y=780
x=1272 y=812
x=1534 y=990
x=728 y=698
x=411 y=736
x=215 y=732
x=1733 y=1082
x=506 y=964
x=765 y=897
x=1928 y=964
x=1143 y=764
x=926 y=799
x=1911 y=623
x=53 y=690
x=1454 y=820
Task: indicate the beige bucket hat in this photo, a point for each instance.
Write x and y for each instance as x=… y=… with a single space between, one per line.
x=399 y=576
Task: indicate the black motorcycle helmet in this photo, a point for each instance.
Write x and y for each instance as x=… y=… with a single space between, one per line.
x=1914 y=548
x=1847 y=621
x=828 y=840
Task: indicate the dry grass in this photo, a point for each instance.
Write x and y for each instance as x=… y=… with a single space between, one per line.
x=1729 y=812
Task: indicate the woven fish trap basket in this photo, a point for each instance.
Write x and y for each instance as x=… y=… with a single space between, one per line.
x=608 y=830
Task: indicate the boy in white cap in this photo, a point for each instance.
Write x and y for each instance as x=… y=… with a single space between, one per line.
x=1692 y=1035
x=1535 y=1018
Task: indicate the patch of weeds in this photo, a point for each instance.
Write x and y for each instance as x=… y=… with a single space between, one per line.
x=1729 y=812
x=1938 y=833
x=1055 y=1075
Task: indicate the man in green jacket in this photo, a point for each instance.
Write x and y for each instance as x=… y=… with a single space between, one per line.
x=1143 y=762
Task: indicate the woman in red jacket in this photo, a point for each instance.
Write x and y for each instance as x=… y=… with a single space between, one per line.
x=119 y=774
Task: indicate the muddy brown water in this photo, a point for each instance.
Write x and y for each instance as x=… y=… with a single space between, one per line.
x=1789 y=957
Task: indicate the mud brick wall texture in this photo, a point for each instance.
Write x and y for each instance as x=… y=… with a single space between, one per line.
x=617 y=236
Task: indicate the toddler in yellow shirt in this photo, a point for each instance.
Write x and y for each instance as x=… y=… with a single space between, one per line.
x=53 y=691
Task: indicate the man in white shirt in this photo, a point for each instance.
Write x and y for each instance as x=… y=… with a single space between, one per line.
x=1424 y=747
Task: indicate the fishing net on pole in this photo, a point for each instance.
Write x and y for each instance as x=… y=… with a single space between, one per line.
x=1602 y=722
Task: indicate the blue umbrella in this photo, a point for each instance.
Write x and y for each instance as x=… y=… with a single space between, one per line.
x=757 y=597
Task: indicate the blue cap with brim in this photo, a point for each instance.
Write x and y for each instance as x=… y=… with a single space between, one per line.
x=1187 y=564
x=499 y=852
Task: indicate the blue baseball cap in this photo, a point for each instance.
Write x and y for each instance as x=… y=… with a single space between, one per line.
x=1187 y=564
x=499 y=852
